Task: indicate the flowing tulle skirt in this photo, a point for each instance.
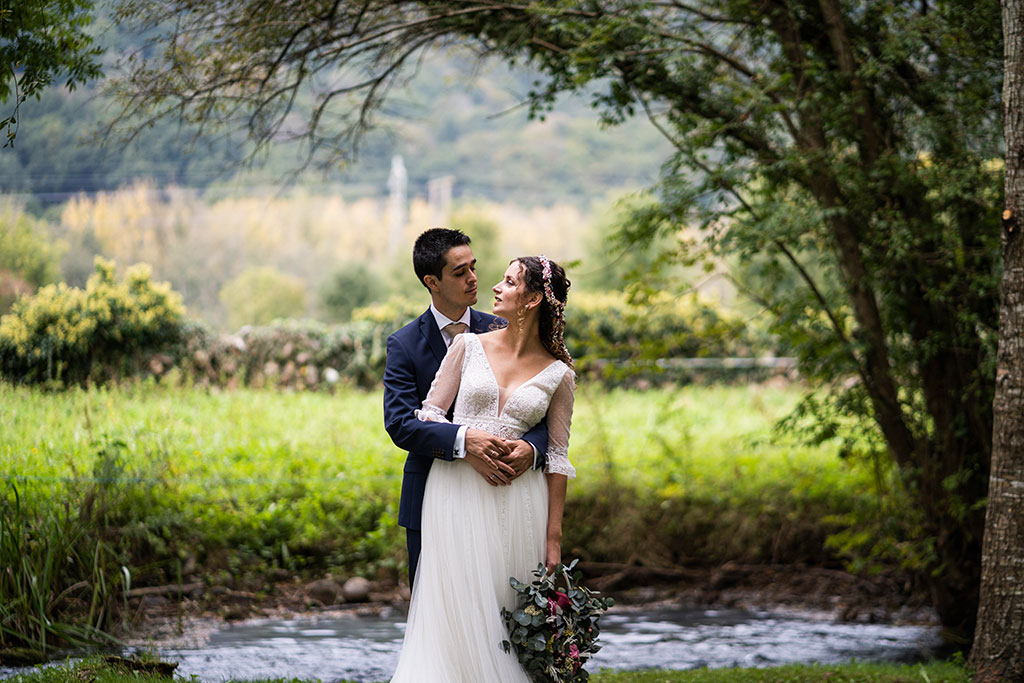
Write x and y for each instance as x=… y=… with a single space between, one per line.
x=475 y=536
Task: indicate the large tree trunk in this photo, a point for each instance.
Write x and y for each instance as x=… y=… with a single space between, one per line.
x=998 y=653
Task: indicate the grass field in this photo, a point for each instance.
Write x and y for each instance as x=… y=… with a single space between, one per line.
x=938 y=672
x=249 y=478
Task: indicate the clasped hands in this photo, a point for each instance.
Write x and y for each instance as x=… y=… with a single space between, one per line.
x=497 y=460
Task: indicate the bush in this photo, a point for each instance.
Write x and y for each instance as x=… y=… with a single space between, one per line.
x=260 y=295
x=66 y=335
x=351 y=286
x=621 y=340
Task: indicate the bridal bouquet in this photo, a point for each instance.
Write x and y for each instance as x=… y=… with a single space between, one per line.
x=553 y=629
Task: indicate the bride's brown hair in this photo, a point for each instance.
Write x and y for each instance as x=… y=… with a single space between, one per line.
x=543 y=275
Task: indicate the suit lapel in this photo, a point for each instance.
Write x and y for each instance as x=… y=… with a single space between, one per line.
x=479 y=322
x=428 y=328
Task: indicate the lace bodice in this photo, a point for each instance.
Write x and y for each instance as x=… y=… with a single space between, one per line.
x=466 y=377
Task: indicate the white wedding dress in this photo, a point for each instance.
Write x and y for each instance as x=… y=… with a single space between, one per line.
x=475 y=536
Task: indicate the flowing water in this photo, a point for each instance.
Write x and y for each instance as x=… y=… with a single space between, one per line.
x=365 y=648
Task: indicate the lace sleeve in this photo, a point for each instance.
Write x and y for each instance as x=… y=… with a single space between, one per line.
x=559 y=420
x=445 y=386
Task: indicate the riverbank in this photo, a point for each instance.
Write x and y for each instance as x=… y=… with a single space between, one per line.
x=827 y=595
x=99 y=670
x=182 y=503
x=729 y=616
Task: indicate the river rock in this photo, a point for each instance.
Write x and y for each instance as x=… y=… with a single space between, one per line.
x=324 y=591
x=331 y=376
x=356 y=589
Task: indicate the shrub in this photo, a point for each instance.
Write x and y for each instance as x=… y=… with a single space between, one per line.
x=64 y=334
x=259 y=295
x=352 y=285
x=617 y=339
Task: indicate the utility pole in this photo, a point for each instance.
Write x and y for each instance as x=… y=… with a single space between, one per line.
x=398 y=182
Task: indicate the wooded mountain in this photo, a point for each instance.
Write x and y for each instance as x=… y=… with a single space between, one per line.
x=461 y=116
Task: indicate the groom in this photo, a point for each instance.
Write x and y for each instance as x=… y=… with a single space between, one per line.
x=444 y=264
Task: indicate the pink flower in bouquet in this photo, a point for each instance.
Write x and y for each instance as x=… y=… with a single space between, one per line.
x=560 y=600
x=574 y=651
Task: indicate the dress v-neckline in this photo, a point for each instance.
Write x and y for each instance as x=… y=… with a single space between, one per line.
x=494 y=378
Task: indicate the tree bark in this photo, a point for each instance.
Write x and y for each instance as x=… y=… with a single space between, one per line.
x=998 y=653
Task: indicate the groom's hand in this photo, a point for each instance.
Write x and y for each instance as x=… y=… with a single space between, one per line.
x=484 y=452
x=521 y=457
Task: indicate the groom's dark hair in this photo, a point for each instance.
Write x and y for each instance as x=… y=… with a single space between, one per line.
x=428 y=253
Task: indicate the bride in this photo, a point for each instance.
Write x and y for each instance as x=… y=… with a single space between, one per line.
x=476 y=536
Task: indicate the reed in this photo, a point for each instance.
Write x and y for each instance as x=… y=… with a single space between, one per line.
x=56 y=584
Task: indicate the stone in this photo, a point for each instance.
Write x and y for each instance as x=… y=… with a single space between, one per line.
x=288 y=373
x=151 y=601
x=324 y=591
x=356 y=589
x=234 y=342
x=331 y=376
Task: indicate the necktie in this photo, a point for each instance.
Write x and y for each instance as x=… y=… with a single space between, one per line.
x=453 y=330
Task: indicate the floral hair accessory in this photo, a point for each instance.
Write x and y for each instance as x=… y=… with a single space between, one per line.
x=549 y=294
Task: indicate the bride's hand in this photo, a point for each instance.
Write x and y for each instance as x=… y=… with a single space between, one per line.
x=483 y=452
x=521 y=457
x=552 y=554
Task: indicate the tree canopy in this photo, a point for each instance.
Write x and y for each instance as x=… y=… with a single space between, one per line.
x=851 y=145
x=42 y=41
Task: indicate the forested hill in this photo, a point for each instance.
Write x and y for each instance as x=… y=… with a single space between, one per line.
x=458 y=117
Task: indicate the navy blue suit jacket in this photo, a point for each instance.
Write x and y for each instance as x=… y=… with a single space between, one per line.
x=415 y=353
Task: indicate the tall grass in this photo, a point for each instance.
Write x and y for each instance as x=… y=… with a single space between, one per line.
x=56 y=586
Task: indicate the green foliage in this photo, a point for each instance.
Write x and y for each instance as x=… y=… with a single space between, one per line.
x=260 y=295
x=246 y=480
x=393 y=313
x=68 y=335
x=620 y=338
x=61 y=573
x=613 y=263
x=351 y=286
x=40 y=42
x=28 y=259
